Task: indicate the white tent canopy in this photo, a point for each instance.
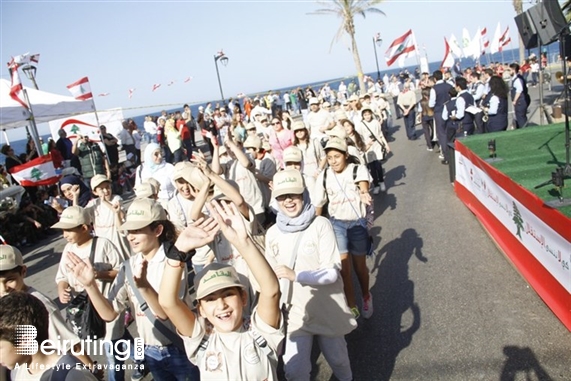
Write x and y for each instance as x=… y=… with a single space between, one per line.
x=45 y=106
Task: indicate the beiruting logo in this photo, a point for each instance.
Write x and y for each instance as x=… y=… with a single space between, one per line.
x=26 y=344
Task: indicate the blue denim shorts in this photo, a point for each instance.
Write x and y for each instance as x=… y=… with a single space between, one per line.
x=352 y=236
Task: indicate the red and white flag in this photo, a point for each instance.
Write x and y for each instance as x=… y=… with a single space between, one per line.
x=156 y=86
x=39 y=171
x=448 y=60
x=16 y=86
x=131 y=91
x=496 y=44
x=485 y=42
x=103 y=94
x=505 y=38
x=25 y=59
x=401 y=47
x=80 y=89
x=188 y=79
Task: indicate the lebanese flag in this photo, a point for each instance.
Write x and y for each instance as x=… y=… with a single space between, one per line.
x=156 y=86
x=39 y=171
x=24 y=59
x=402 y=46
x=187 y=79
x=131 y=91
x=496 y=42
x=103 y=94
x=448 y=60
x=484 y=40
x=16 y=86
x=505 y=38
x=81 y=89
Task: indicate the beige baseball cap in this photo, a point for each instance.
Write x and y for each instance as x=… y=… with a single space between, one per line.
x=182 y=169
x=214 y=277
x=73 y=217
x=298 y=125
x=253 y=142
x=145 y=190
x=292 y=153
x=10 y=258
x=313 y=101
x=142 y=213
x=337 y=131
x=97 y=180
x=353 y=97
x=336 y=143
x=288 y=181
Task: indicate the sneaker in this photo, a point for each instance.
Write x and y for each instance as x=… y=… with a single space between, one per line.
x=429 y=149
x=355 y=312
x=383 y=187
x=441 y=157
x=368 y=307
x=376 y=190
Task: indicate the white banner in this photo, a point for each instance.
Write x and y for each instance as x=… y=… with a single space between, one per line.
x=86 y=125
x=545 y=244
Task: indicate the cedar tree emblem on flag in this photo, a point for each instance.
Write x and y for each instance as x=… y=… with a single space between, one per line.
x=402 y=46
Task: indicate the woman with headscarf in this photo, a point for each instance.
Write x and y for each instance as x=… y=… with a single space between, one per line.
x=157 y=168
x=75 y=192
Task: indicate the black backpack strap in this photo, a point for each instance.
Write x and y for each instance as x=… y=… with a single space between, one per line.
x=355 y=169
x=93 y=248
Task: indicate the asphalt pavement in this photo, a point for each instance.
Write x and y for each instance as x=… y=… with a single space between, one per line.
x=448 y=305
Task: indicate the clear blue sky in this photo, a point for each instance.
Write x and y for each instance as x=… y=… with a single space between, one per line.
x=270 y=44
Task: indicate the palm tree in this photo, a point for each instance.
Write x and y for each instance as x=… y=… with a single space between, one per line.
x=347 y=10
x=518 y=7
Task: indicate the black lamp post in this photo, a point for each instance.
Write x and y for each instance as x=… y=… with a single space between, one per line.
x=377 y=40
x=224 y=60
x=30 y=72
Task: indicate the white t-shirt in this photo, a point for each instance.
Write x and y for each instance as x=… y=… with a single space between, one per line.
x=120 y=295
x=317 y=120
x=179 y=214
x=342 y=192
x=312 y=154
x=235 y=356
x=314 y=310
x=106 y=258
x=150 y=127
x=247 y=184
x=105 y=223
x=375 y=152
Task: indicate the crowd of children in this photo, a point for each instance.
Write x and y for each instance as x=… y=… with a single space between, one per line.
x=227 y=267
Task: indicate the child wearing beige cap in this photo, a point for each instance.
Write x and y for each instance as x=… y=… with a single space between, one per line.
x=12 y=274
x=151 y=236
x=75 y=222
x=302 y=250
x=218 y=338
x=313 y=155
x=106 y=212
x=345 y=186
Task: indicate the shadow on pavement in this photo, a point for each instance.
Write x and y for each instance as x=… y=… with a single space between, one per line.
x=397 y=317
x=520 y=364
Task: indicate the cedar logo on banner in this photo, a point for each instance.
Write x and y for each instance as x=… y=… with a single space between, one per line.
x=81 y=89
x=36 y=172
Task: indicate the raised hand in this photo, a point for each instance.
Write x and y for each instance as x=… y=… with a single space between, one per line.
x=200 y=233
x=82 y=269
x=284 y=272
x=230 y=220
x=140 y=275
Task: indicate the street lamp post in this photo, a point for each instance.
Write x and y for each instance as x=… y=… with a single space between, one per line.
x=30 y=72
x=224 y=60
x=377 y=40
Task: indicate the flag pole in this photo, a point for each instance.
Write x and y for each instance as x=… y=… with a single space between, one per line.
x=100 y=135
x=34 y=134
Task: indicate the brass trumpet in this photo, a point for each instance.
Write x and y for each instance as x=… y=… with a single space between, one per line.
x=560 y=77
x=485 y=116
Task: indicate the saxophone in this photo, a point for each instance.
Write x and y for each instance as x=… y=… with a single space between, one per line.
x=485 y=117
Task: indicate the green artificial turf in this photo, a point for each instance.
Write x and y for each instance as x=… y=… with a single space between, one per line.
x=528 y=157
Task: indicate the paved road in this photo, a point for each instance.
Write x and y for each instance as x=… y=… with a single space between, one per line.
x=448 y=305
